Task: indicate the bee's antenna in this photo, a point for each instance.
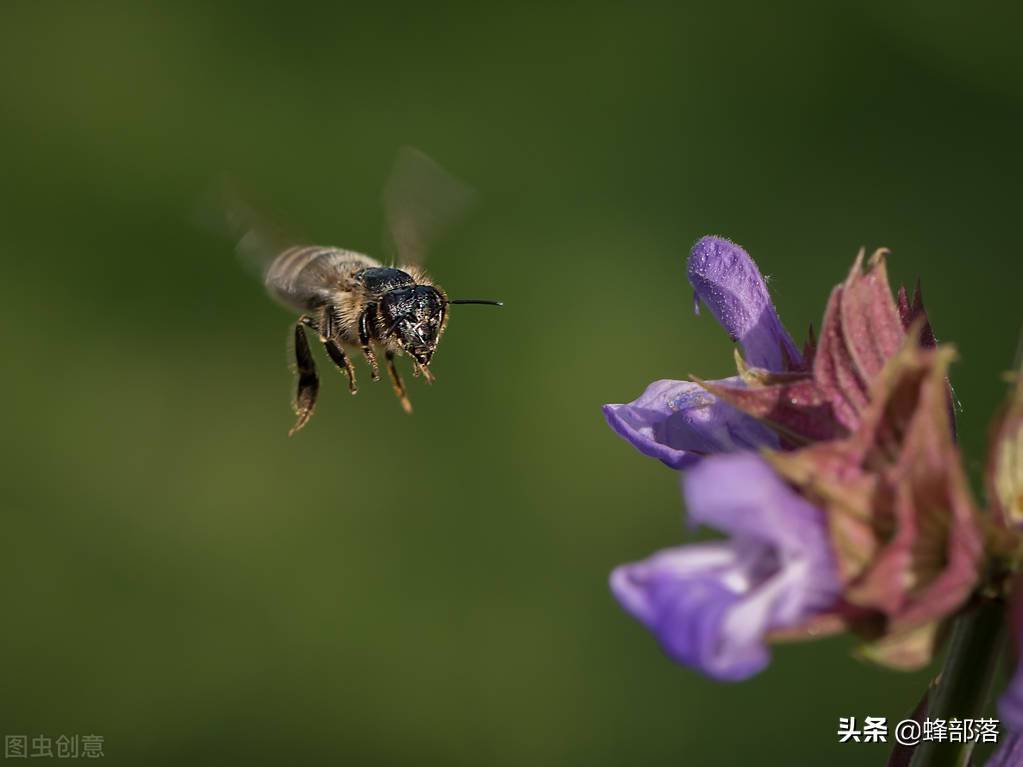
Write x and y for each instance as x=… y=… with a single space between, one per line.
x=485 y=301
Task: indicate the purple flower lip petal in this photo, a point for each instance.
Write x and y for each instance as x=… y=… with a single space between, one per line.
x=711 y=604
x=1010 y=704
x=685 y=613
x=679 y=423
x=727 y=281
x=1009 y=753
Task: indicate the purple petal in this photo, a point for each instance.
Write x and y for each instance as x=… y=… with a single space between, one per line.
x=711 y=604
x=742 y=495
x=679 y=422
x=1009 y=753
x=1010 y=705
x=728 y=282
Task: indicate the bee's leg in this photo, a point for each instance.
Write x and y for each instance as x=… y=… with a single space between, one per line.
x=314 y=323
x=337 y=354
x=396 y=382
x=308 y=383
x=364 y=338
x=326 y=323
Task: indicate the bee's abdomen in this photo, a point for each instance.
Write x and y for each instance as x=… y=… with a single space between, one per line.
x=306 y=276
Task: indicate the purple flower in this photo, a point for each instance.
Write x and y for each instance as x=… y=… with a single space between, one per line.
x=679 y=422
x=710 y=605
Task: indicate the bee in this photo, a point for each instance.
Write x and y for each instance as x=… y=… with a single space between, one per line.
x=354 y=304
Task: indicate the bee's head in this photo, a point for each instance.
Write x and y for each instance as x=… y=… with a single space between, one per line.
x=415 y=318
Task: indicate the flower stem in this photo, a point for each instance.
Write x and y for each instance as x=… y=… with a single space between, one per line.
x=963 y=688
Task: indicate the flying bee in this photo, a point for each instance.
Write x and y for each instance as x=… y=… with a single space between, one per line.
x=352 y=302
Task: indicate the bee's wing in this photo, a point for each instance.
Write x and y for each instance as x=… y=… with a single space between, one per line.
x=258 y=240
x=421 y=202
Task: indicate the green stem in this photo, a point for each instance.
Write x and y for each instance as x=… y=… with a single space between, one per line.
x=963 y=689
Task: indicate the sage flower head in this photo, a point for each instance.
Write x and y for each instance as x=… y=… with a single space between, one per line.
x=838 y=480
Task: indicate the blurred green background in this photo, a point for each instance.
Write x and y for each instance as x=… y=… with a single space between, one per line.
x=181 y=578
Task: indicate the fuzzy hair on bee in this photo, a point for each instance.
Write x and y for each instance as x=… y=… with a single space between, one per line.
x=350 y=301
